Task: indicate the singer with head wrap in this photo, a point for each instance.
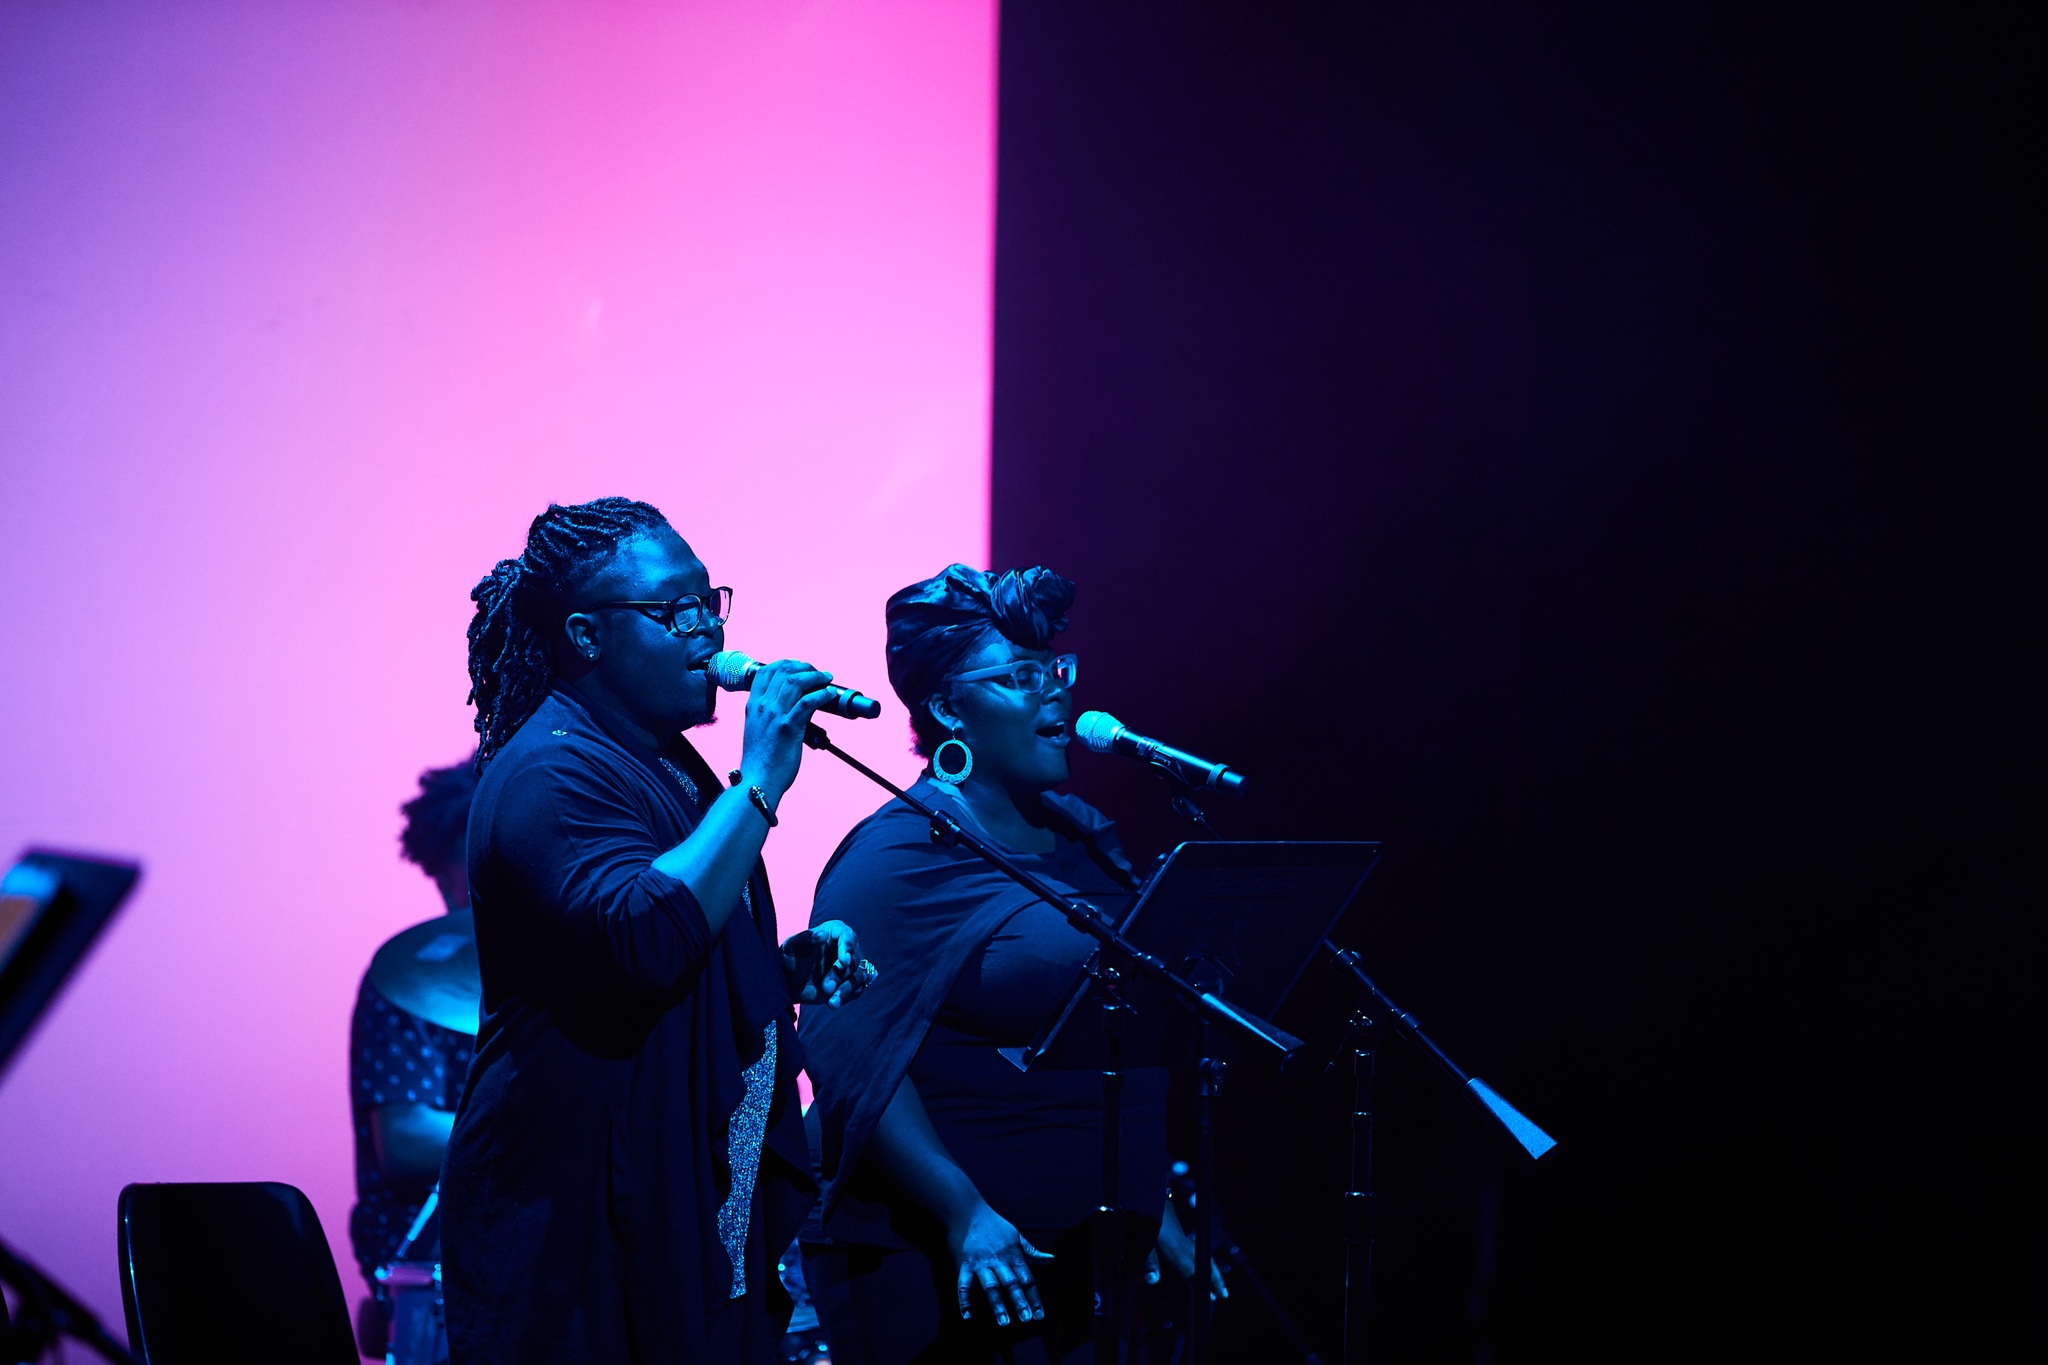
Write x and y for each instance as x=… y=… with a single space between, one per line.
x=950 y=1173
x=627 y=1155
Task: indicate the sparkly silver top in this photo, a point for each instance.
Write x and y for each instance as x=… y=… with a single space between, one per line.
x=748 y=1128
x=743 y=1139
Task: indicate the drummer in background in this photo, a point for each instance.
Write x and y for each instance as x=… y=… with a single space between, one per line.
x=404 y=1073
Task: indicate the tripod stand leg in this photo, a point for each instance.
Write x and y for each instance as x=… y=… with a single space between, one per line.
x=1108 y=1226
x=1201 y=1309
x=1109 y=1306
x=1360 y=1212
x=44 y=1312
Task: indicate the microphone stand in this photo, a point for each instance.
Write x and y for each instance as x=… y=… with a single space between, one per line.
x=1113 y=948
x=1209 y=1071
x=45 y=1312
x=1362 y=1039
x=1361 y=1204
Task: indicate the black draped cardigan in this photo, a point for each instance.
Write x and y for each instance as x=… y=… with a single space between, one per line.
x=921 y=909
x=588 y=1160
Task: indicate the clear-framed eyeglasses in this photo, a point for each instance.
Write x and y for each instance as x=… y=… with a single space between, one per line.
x=1029 y=675
x=683 y=616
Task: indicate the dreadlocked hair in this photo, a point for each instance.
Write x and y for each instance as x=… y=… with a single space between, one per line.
x=519 y=605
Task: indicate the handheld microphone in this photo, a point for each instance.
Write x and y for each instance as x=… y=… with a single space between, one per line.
x=1105 y=734
x=734 y=671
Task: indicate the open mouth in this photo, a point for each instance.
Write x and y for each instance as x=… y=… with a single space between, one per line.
x=1056 y=733
x=700 y=669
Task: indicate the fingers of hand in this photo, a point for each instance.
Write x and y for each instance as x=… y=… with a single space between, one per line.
x=793 y=680
x=1217 y=1289
x=775 y=675
x=1009 y=1288
x=1037 y=1305
x=846 y=974
x=992 y=1290
x=786 y=686
x=1022 y=1293
x=808 y=704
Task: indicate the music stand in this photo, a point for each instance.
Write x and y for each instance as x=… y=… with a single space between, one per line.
x=52 y=907
x=1240 y=919
x=1244 y=918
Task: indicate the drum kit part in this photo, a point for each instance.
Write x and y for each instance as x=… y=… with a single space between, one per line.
x=419 y=1335
x=430 y=971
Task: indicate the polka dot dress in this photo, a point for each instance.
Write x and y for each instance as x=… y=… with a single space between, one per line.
x=394 y=1058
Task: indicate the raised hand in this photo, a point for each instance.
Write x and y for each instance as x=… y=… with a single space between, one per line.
x=780 y=702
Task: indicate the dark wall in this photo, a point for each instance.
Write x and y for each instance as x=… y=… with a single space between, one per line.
x=1581 y=448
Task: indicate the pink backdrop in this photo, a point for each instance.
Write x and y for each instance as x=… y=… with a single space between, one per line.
x=305 y=309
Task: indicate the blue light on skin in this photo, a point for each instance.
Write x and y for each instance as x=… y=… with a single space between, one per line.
x=626 y=662
x=1019 y=740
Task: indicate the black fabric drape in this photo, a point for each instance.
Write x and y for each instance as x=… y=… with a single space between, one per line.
x=588 y=1159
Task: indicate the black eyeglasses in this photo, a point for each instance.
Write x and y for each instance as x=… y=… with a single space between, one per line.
x=683 y=616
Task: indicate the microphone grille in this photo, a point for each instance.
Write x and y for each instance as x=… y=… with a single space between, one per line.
x=730 y=669
x=1097 y=730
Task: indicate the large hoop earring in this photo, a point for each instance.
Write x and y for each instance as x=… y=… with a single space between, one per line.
x=939 y=773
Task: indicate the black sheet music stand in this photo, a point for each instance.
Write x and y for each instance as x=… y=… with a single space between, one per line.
x=52 y=907
x=1242 y=920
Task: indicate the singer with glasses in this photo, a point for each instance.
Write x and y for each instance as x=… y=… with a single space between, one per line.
x=628 y=1153
x=955 y=1222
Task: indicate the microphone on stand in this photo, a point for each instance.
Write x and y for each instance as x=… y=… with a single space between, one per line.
x=734 y=672
x=1103 y=733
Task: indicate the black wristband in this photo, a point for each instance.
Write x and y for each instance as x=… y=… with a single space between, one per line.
x=760 y=800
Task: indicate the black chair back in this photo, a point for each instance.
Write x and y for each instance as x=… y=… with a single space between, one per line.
x=228 y=1274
